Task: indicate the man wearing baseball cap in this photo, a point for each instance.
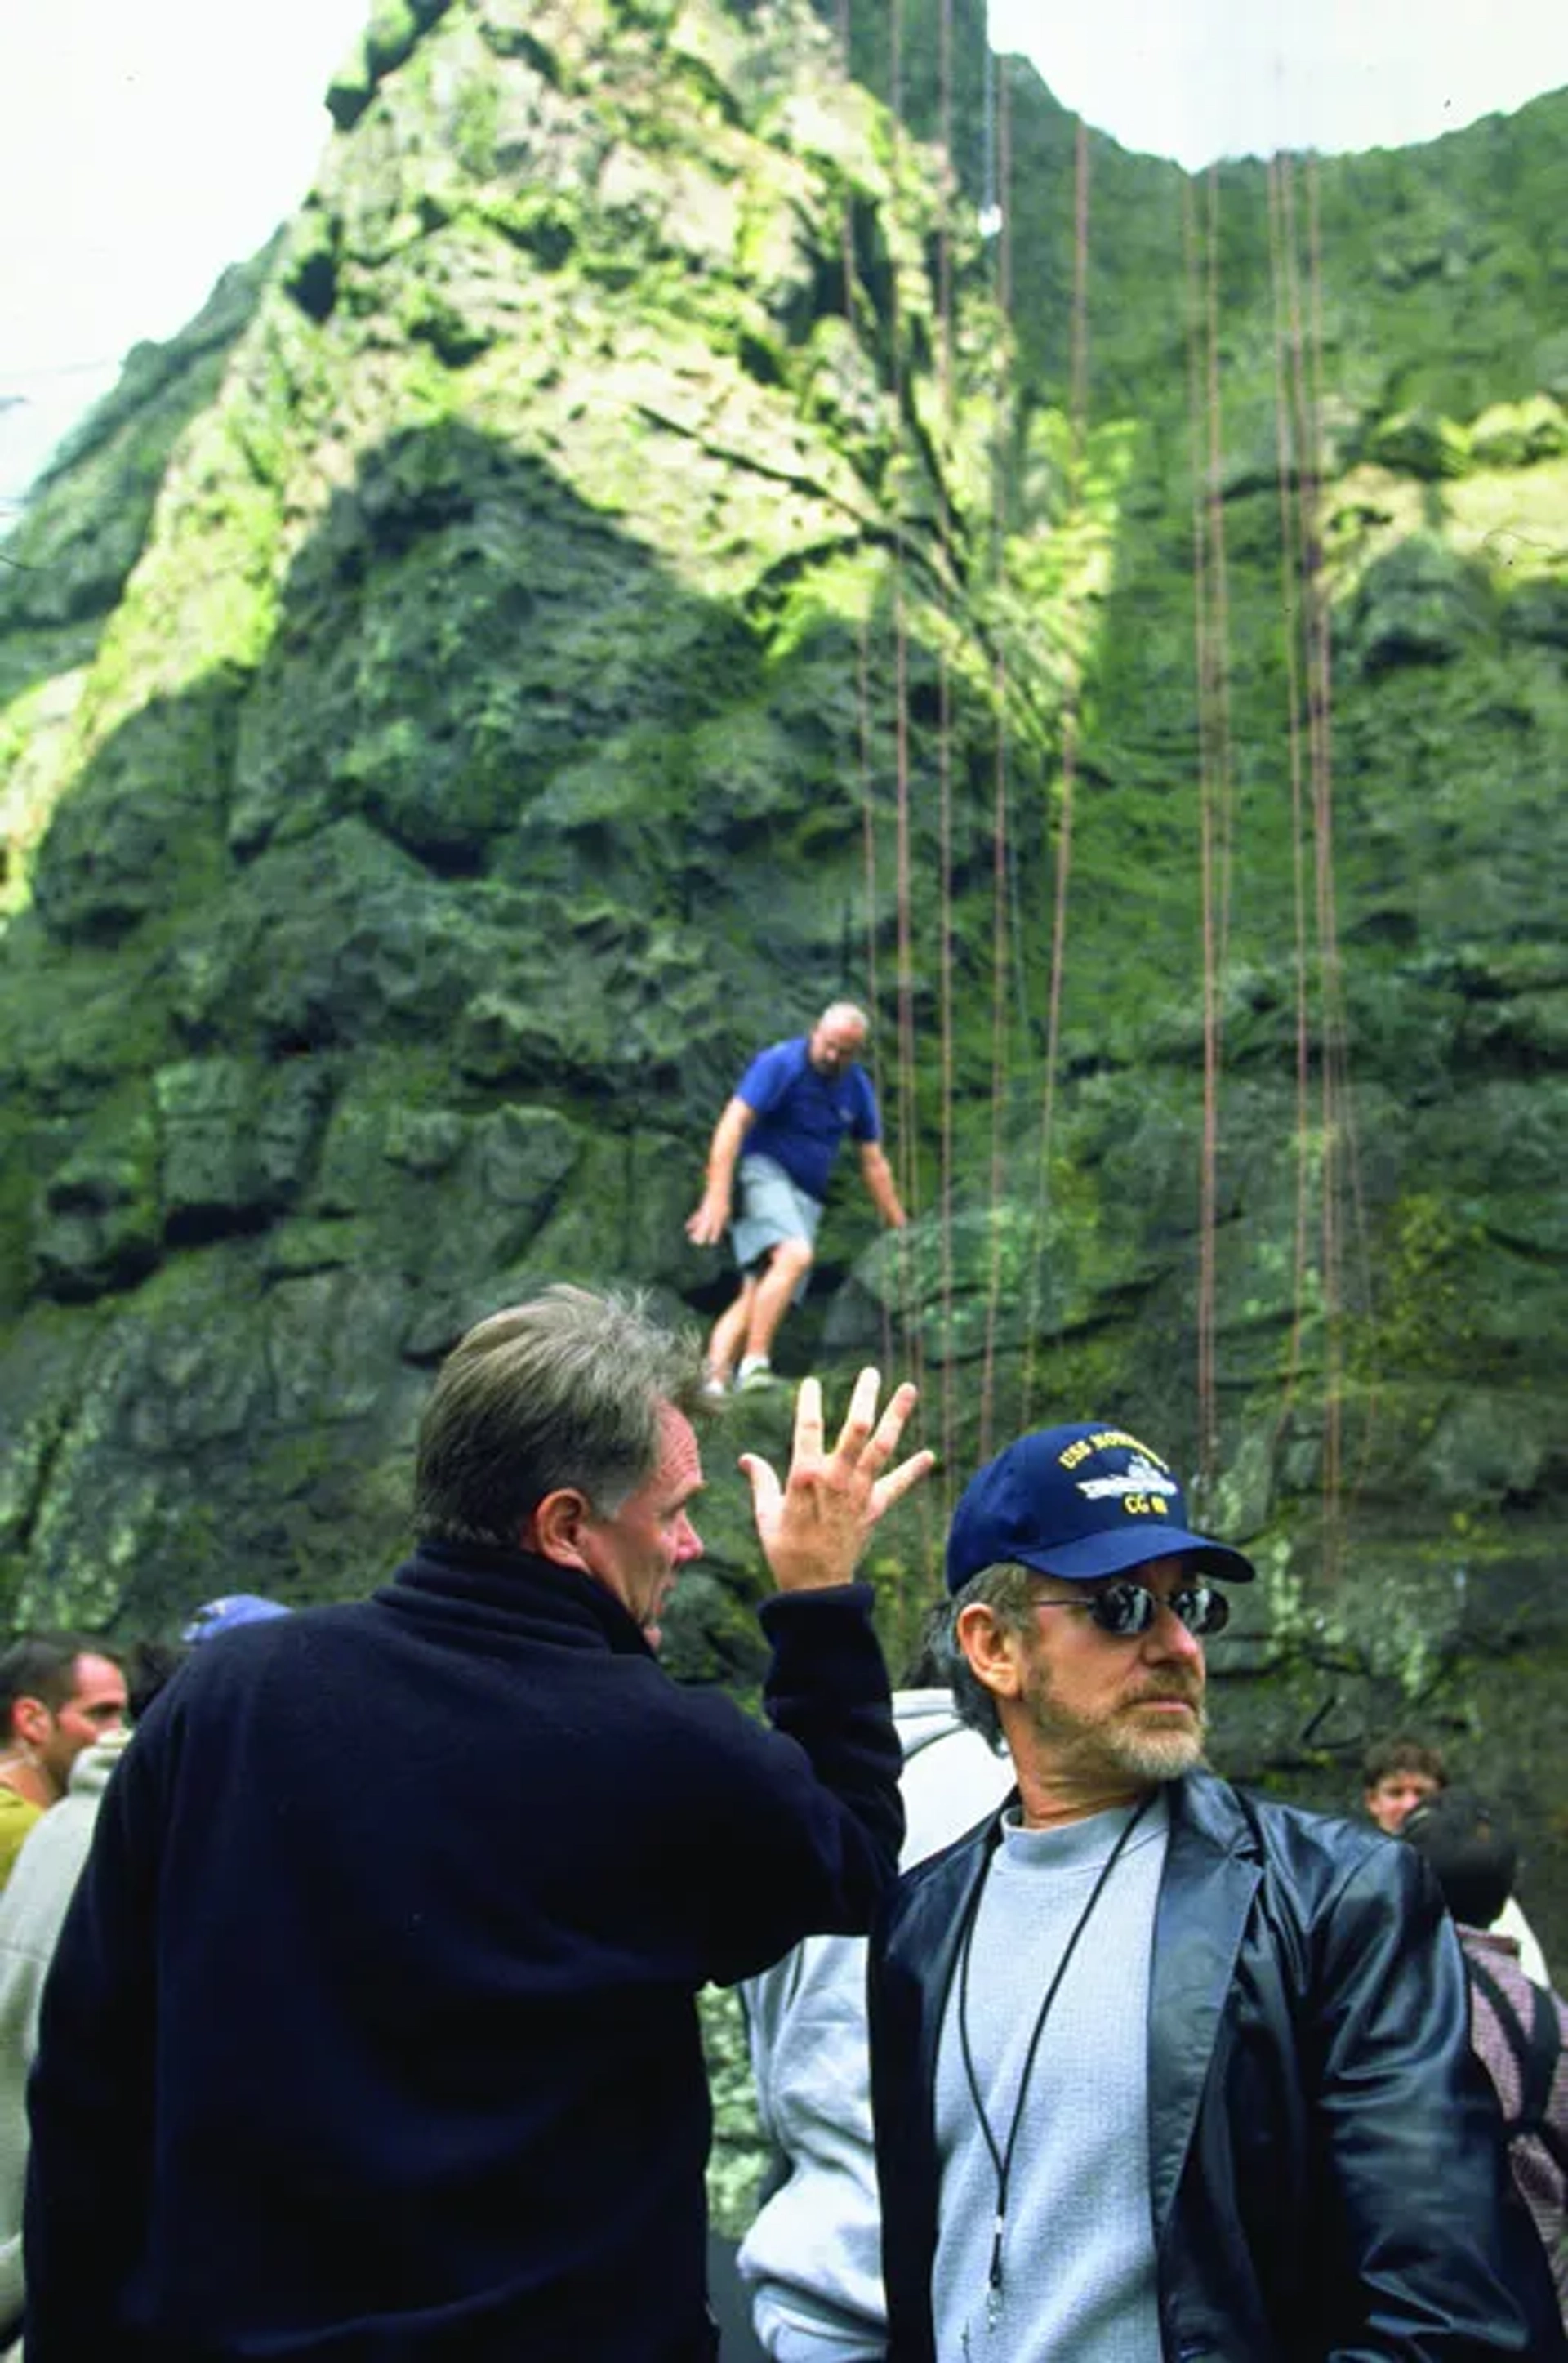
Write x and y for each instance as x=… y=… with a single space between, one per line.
x=1160 y=2070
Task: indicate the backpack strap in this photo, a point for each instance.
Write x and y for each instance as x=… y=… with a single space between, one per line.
x=1536 y=2054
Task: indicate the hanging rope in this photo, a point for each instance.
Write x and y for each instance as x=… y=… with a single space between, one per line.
x=1338 y=1164
x=1078 y=414
x=989 y=211
x=909 y=1301
x=1291 y=445
x=907 y=1106
x=1220 y=580
x=1002 y=457
x=1351 y=1160
x=944 y=744
x=1319 y=741
x=852 y=310
x=1196 y=311
x=1211 y=648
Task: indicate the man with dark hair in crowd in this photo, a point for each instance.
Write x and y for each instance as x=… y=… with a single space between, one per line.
x=59 y=1693
x=1400 y=1774
x=1160 y=2069
x=1520 y=2029
x=371 y=2035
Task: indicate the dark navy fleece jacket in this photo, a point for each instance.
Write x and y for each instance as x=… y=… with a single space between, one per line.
x=371 y=2035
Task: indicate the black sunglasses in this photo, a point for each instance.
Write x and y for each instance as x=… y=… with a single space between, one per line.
x=1128 y=1609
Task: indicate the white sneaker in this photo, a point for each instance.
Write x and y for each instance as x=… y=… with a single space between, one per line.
x=756 y=1370
x=715 y=1386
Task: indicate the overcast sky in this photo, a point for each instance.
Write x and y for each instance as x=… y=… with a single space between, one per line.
x=149 y=142
x=1200 y=79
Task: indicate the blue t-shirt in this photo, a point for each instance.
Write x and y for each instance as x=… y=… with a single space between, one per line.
x=801 y=1117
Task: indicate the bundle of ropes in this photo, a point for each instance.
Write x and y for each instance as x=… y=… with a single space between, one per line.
x=1325 y=1154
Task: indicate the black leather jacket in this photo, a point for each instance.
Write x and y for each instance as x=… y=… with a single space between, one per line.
x=1326 y=2169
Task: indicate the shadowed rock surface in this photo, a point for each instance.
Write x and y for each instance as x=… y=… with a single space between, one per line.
x=496 y=669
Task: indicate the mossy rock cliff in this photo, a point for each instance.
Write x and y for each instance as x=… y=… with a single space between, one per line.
x=628 y=564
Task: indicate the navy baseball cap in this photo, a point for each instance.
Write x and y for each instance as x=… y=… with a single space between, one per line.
x=226 y=1616
x=1079 y=1503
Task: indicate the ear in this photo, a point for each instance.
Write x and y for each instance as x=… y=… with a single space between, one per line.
x=554 y=1527
x=992 y=1650
x=31 y=1722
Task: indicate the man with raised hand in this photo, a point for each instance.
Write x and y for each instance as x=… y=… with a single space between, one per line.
x=782 y=1129
x=1162 y=2072
x=371 y=2035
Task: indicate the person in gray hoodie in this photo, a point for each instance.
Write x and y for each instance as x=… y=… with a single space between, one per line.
x=812 y=2254
x=31 y=1911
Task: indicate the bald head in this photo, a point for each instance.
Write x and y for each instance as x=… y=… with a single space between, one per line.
x=838 y=1037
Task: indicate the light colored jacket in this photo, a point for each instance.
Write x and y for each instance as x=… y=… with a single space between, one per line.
x=31 y=1912
x=814 y=2252
x=1511 y=1922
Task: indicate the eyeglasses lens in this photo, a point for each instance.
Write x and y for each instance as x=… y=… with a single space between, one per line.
x=1124 y=1609
x=1128 y=1609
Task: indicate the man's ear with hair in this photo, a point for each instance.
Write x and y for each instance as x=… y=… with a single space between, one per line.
x=992 y=1647
x=553 y=1528
x=31 y=1722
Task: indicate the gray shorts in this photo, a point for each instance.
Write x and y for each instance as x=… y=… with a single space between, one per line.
x=773 y=1208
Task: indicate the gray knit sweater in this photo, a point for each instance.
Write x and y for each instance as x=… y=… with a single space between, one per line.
x=1077 y=2259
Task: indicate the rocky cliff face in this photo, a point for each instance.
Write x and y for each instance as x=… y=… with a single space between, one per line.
x=553 y=621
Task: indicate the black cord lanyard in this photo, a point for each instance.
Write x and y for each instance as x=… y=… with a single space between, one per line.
x=1001 y=2159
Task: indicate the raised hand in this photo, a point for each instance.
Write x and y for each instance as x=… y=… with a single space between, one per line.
x=814 y=1526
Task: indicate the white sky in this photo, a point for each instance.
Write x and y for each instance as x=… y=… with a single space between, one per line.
x=149 y=142
x=1200 y=79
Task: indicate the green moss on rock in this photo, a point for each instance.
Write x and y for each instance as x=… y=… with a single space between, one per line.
x=593 y=613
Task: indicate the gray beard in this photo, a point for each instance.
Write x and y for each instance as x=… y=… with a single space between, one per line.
x=1160 y=1755
x=1119 y=1745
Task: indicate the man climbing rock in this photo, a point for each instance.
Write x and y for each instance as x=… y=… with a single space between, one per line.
x=782 y=1129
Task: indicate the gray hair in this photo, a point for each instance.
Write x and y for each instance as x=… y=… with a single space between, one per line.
x=1005 y=1588
x=564 y=1390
